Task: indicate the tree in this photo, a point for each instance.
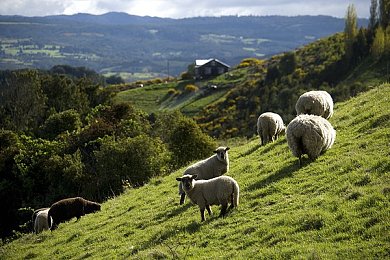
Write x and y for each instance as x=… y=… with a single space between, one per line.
x=378 y=45
x=384 y=13
x=360 y=45
x=387 y=42
x=350 y=31
x=288 y=63
x=22 y=101
x=373 y=15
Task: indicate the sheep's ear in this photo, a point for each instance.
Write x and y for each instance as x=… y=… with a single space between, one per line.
x=215 y=151
x=178 y=179
x=227 y=148
x=194 y=177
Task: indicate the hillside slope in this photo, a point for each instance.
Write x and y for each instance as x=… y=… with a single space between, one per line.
x=333 y=208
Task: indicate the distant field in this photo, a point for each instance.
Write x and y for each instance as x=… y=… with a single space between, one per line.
x=172 y=95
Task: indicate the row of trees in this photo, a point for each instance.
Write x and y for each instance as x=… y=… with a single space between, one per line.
x=375 y=39
x=61 y=137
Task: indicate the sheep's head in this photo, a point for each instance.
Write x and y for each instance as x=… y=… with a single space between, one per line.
x=222 y=153
x=187 y=181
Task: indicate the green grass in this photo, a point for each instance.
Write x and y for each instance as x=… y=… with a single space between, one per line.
x=147 y=98
x=336 y=207
x=156 y=98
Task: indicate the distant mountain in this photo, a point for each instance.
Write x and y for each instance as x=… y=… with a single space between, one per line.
x=119 y=42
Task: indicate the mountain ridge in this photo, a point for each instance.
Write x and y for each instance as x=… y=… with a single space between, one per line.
x=120 y=43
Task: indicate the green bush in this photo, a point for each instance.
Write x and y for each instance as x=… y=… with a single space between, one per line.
x=184 y=138
x=187 y=143
x=191 y=88
x=134 y=160
x=58 y=123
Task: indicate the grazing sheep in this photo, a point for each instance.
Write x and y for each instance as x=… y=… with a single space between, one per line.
x=311 y=135
x=316 y=102
x=41 y=221
x=34 y=216
x=214 y=166
x=216 y=191
x=269 y=126
x=67 y=209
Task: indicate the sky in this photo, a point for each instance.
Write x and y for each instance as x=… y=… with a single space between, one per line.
x=184 y=8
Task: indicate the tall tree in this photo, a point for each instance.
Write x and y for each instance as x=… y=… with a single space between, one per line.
x=373 y=15
x=350 y=30
x=384 y=13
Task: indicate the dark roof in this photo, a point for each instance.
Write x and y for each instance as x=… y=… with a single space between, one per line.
x=199 y=63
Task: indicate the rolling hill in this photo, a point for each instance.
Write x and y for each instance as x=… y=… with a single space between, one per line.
x=333 y=208
x=147 y=47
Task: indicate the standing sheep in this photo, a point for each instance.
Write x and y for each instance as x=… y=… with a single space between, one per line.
x=316 y=102
x=311 y=135
x=269 y=126
x=221 y=190
x=67 y=209
x=214 y=166
x=41 y=221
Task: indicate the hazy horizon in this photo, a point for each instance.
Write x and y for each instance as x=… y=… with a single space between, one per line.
x=184 y=8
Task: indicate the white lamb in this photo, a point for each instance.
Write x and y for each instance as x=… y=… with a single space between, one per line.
x=214 y=166
x=316 y=102
x=221 y=190
x=269 y=126
x=41 y=223
x=311 y=135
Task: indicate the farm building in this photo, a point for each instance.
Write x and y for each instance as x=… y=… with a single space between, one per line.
x=209 y=68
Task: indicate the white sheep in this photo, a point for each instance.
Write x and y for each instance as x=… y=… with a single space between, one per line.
x=41 y=222
x=220 y=190
x=316 y=102
x=311 y=135
x=269 y=126
x=214 y=166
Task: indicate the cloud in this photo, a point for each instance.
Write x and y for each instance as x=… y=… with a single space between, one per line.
x=184 y=8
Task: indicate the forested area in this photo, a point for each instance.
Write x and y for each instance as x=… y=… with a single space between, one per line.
x=61 y=136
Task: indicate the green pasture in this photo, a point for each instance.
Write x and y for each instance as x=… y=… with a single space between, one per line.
x=336 y=207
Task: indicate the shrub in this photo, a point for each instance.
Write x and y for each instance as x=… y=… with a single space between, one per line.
x=191 y=88
x=135 y=160
x=187 y=143
x=58 y=123
x=184 y=138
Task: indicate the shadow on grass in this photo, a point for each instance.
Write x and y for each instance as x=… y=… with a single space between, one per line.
x=282 y=173
x=250 y=151
x=161 y=217
x=171 y=235
x=271 y=146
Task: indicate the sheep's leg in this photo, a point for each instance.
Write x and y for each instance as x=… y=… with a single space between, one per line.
x=209 y=210
x=202 y=214
x=182 y=198
x=231 y=203
x=223 y=210
x=300 y=160
x=53 y=226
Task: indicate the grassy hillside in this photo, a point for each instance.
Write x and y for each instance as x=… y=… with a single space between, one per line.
x=173 y=95
x=336 y=207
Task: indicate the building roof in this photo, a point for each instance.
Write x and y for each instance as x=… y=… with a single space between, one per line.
x=199 y=63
